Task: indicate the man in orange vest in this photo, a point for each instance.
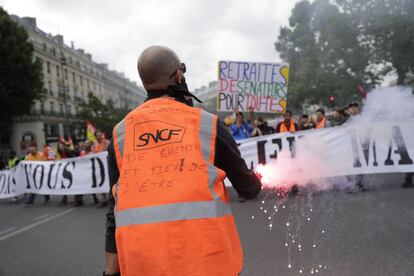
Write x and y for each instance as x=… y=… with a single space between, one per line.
x=288 y=124
x=169 y=208
x=320 y=118
x=34 y=155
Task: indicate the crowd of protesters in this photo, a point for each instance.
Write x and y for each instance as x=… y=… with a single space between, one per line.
x=242 y=128
x=65 y=148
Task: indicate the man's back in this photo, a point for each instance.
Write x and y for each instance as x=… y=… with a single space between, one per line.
x=172 y=212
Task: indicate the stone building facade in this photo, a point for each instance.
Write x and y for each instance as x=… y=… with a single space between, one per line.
x=69 y=74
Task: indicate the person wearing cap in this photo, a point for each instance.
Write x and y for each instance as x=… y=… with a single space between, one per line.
x=169 y=210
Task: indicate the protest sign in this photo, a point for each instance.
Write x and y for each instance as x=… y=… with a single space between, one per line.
x=244 y=86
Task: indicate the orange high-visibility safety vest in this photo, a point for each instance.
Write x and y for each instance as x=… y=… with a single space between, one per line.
x=322 y=123
x=172 y=209
x=283 y=127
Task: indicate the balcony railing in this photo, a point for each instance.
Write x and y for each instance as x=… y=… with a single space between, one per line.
x=51 y=113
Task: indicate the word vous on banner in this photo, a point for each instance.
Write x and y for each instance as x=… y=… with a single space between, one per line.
x=244 y=86
x=72 y=176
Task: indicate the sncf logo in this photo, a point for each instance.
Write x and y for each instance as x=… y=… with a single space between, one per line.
x=154 y=134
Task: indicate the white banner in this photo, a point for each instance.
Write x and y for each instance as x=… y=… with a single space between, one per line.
x=375 y=147
x=80 y=175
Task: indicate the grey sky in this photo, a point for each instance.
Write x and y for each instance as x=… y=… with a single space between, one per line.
x=200 y=32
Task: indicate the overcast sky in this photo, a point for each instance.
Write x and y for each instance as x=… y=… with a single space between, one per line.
x=200 y=32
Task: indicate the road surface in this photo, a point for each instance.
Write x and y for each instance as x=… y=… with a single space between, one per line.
x=323 y=233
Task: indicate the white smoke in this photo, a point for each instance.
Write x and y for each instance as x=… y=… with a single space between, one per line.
x=306 y=168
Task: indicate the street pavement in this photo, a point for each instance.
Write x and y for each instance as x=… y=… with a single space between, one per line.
x=313 y=233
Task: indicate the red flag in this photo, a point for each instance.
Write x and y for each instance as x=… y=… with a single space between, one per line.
x=362 y=91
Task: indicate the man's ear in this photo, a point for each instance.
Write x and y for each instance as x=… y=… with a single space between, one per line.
x=178 y=77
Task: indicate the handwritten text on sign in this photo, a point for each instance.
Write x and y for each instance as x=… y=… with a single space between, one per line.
x=250 y=85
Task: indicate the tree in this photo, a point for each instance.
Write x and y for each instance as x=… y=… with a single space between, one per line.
x=387 y=28
x=325 y=57
x=103 y=116
x=21 y=80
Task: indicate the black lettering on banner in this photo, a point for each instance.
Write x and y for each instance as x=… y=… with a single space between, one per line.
x=277 y=141
x=292 y=148
x=366 y=143
x=162 y=134
x=261 y=152
x=38 y=183
x=27 y=172
x=3 y=183
x=401 y=148
x=66 y=174
x=101 y=169
x=49 y=177
x=57 y=174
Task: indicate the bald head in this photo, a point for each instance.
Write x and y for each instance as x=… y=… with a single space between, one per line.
x=155 y=66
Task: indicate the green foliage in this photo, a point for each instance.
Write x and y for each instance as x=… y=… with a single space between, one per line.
x=321 y=44
x=102 y=116
x=386 y=27
x=21 y=80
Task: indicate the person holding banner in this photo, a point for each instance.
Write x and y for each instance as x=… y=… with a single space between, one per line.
x=288 y=124
x=320 y=118
x=34 y=155
x=100 y=145
x=49 y=153
x=168 y=160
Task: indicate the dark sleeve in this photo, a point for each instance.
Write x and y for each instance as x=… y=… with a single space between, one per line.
x=110 y=245
x=228 y=158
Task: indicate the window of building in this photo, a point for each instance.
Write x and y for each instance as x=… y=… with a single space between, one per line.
x=52 y=106
x=53 y=51
x=70 y=60
x=81 y=79
x=48 y=66
x=52 y=130
x=94 y=85
x=87 y=83
x=73 y=77
x=44 y=47
x=42 y=107
x=49 y=88
x=69 y=109
x=66 y=74
x=58 y=70
x=61 y=108
x=77 y=63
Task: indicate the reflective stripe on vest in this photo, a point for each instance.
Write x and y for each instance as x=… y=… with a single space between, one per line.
x=172 y=212
x=120 y=135
x=183 y=210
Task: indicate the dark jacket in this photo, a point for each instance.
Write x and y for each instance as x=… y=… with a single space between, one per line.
x=227 y=158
